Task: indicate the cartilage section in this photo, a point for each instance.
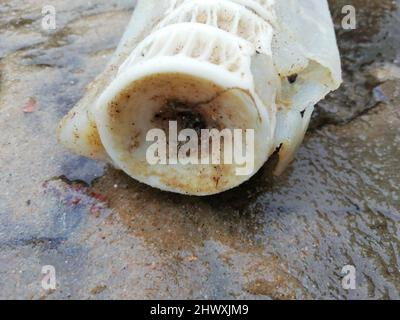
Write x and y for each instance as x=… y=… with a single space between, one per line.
x=263 y=8
x=225 y=15
x=198 y=42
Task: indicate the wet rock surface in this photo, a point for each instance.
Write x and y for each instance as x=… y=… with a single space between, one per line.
x=273 y=238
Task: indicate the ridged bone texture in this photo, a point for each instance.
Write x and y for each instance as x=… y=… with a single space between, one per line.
x=208 y=64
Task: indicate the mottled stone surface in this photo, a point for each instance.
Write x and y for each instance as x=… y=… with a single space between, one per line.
x=111 y=237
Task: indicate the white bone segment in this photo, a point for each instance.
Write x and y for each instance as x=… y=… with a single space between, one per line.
x=192 y=64
x=226 y=64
